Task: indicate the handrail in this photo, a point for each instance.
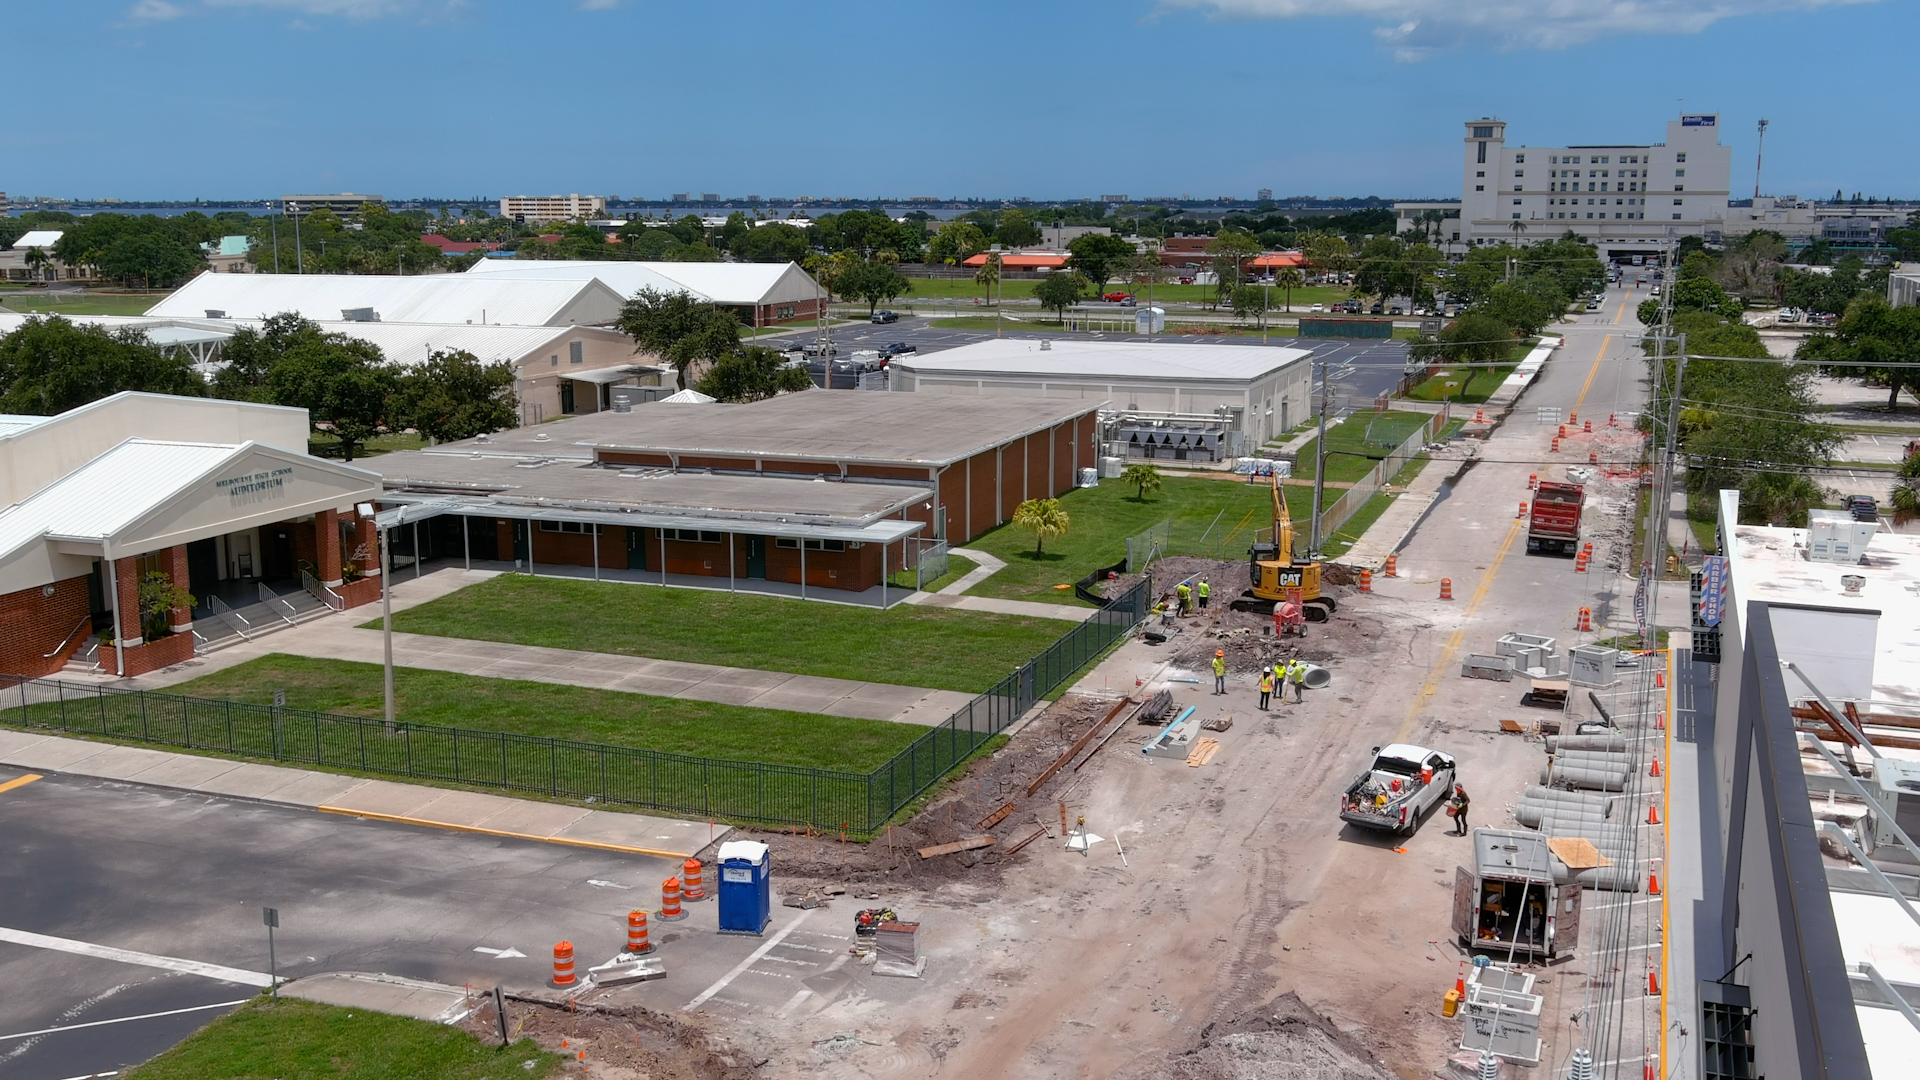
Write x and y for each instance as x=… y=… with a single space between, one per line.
x=273 y=602
x=62 y=647
x=322 y=593
x=227 y=615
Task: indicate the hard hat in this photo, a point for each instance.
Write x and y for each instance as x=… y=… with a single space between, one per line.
x=1219 y=652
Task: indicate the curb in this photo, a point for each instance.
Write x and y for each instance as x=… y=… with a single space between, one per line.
x=399 y=819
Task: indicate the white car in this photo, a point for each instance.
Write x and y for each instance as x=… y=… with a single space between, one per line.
x=1317 y=309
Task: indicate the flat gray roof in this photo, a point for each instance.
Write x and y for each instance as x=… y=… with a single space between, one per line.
x=560 y=483
x=1103 y=361
x=825 y=425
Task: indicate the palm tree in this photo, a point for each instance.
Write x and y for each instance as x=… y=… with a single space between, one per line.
x=1045 y=518
x=1144 y=476
x=1290 y=278
x=1518 y=228
x=989 y=273
x=1906 y=492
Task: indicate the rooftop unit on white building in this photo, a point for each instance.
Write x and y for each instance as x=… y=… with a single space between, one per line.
x=1628 y=199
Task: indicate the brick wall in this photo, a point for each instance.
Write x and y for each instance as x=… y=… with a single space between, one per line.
x=326 y=543
x=149 y=656
x=180 y=619
x=363 y=591
x=126 y=574
x=32 y=624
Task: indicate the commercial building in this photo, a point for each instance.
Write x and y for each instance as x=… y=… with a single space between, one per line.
x=1627 y=199
x=345 y=204
x=761 y=294
x=1794 y=950
x=1903 y=285
x=1032 y=261
x=542 y=208
x=801 y=493
x=219 y=497
x=447 y=299
x=31 y=258
x=1186 y=402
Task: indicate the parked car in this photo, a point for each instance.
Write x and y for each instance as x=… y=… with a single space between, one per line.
x=1317 y=309
x=814 y=348
x=882 y=317
x=1823 y=318
x=1186 y=280
x=1378 y=308
x=1862 y=507
x=1117 y=297
x=1593 y=305
x=899 y=348
x=1656 y=290
x=1403 y=784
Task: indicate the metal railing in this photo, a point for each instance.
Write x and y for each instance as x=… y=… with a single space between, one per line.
x=225 y=613
x=561 y=768
x=277 y=605
x=68 y=640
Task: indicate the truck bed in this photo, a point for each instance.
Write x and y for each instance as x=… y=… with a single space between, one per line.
x=1553 y=520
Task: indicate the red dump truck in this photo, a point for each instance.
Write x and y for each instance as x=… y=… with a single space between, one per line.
x=1553 y=520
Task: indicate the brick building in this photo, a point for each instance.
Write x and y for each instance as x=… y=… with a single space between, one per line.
x=216 y=496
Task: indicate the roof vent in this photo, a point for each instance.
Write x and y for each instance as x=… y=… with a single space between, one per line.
x=359 y=314
x=216 y=313
x=1046 y=345
x=1851 y=584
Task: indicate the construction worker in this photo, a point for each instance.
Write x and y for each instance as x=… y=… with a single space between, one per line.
x=1457 y=806
x=1186 y=597
x=1266 y=686
x=1219 y=671
x=1203 y=590
x=1280 y=679
x=1297 y=678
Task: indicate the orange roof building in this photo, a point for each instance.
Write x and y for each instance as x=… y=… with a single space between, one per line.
x=1022 y=260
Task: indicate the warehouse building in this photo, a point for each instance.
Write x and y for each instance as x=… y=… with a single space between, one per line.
x=219 y=497
x=803 y=493
x=447 y=299
x=1179 y=401
x=761 y=294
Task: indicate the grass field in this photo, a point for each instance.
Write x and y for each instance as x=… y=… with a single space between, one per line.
x=958 y=566
x=320 y=444
x=1480 y=383
x=707 y=729
x=1211 y=517
x=89 y=304
x=1361 y=433
x=915 y=646
x=304 y=1040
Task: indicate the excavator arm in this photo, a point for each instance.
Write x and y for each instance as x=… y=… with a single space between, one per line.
x=1282 y=524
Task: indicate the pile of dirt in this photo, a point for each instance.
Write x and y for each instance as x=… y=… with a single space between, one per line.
x=617 y=1042
x=820 y=863
x=1281 y=1040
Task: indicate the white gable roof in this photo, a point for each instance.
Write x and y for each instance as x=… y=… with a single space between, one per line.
x=735 y=283
x=39 y=238
x=454 y=299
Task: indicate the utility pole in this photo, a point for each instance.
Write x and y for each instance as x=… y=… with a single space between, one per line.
x=1320 y=461
x=299 y=263
x=1758 y=151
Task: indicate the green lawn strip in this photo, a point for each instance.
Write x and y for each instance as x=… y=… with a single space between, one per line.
x=1210 y=517
x=580 y=714
x=91 y=304
x=1371 y=434
x=1163 y=292
x=1349 y=534
x=958 y=566
x=320 y=444
x=305 y=1040
x=910 y=645
x=1479 y=385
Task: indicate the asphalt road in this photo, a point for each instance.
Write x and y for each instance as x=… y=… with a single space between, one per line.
x=183 y=877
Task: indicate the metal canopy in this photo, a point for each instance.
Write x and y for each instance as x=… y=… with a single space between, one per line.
x=417 y=507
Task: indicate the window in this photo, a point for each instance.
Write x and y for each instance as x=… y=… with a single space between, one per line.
x=694 y=536
x=786 y=311
x=1519 y=159
x=1676 y=217
x=1603 y=186
x=1479 y=187
x=793 y=543
x=1679 y=172
x=1590 y=185
x=1516 y=217
x=1679 y=202
x=1680 y=157
x=1516 y=202
x=1519 y=187
x=1483 y=132
x=1483 y=154
x=564 y=527
x=1481 y=173
x=1519 y=172
x=1679 y=187
x=575 y=353
x=554 y=360
x=1554 y=160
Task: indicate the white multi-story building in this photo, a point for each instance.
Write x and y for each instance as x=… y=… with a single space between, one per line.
x=542 y=208
x=1626 y=199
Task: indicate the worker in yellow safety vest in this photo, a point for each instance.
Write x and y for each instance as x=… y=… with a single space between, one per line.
x=1297 y=678
x=1202 y=590
x=1185 y=595
x=1219 y=671
x=1266 y=687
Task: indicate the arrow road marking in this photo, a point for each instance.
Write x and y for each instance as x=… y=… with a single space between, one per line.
x=607 y=884
x=508 y=953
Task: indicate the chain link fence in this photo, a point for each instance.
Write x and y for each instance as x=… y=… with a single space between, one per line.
x=559 y=768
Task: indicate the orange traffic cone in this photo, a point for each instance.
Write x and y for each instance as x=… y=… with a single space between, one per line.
x=1588 y=428
x=1649 y=1071
x=1655 y=771
x=1593 y=457
x=1573 y=417
x=1659 y=721
x=1460 y=980
x=1523 y=511
x=1653 y=814
x=1366 y=581
x=1562 y=433
x=1653 y=883
x=1446 y=588
x=1659 y=679
x=1479 y=416
x=1653 y=983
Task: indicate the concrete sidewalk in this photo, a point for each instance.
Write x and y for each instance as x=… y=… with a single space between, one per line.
x=381 y=800
x=954 y=595
x=338 y=638
x=1390 y=530
x=436 y=1003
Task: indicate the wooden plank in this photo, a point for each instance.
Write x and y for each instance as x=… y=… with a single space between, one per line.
x=1203 y=752
x=958 y=845
x=1036 y=834
x=996 y=817
x=1512 y=727
x=1578 y=853
x=1079 y=745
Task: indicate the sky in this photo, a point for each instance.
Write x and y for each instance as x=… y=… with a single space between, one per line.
x=218 y=99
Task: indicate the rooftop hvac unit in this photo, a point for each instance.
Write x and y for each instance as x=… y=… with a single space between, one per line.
x=1898 y=789
x=216 y=313
x=1835 y=537
x=1112 y=467
x=359 y=314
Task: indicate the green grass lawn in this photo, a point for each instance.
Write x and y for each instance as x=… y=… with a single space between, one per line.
x=643 y=721
x=915 y=646
x=88 y=304
x=304 y=1040
x=320 y=444
x=1210 y=517
x=1362 y=433
x=1480 y=383
x=958 y=566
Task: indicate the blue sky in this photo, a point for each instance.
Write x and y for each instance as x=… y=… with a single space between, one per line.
x=1052 y=99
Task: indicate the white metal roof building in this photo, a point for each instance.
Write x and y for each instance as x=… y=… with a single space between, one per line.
x=775 y=292
x=1257 y=391
x=38 y=238
x=450 y=299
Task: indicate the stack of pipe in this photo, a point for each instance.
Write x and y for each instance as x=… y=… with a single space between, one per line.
x=1613 y=742
x=1601 y=770
x=1560 y=813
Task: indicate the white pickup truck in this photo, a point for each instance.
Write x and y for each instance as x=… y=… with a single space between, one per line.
x=1403 y=785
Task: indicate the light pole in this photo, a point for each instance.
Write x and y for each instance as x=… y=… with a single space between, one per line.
x=1320 y=460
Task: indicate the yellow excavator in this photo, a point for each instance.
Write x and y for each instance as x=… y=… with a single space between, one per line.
x=1275 y=574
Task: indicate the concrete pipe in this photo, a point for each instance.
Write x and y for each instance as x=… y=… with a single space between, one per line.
x=1317 y=677
x=1562 y=797
x=1619 y=757
x=1616 y=743
x=1573 y=776
x=1537 y=816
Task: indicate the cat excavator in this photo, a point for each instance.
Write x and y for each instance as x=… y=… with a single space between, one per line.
x=1275 y=574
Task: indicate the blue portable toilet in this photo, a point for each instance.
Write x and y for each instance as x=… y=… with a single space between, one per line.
x=746 y=890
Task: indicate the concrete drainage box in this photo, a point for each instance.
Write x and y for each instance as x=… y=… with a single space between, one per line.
x=1482 y=666
x=1592 y=665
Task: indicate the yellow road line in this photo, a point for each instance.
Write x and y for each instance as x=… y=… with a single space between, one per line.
x=1622 y=313
x=1432 y=685
x=403 y=820
x=20 y=781
x=1591 y=372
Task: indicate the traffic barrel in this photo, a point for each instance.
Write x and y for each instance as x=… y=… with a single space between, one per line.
x=1523 y=511
x=1555 y=448
x=1393 y=566
x=690 y=884
x=562 y=966
x=670 y=910
x=1586 y=620
x=1446 y=588
x=1588 y=428
x=1533 y=481
x=1593 y=457
x=637 y=941
x=1366 y=580
x=1479 y=416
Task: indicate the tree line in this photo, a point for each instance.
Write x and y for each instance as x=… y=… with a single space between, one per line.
x=350 y=390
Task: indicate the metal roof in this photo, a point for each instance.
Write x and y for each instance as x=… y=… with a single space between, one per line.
x=111 y=492
x=38 y=238
x=450 y=299
x=603 y=376
x=717 y=283
x=1081 y=360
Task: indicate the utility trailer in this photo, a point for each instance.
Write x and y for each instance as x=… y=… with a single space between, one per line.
x=1519 y=897
x=1553 y=519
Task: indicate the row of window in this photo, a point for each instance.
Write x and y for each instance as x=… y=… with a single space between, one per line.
x=1603 y=202
x=1618 y=215
x=695 y=536
x=793 y=543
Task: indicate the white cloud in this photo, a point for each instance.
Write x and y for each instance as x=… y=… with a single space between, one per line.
x=1418 y=28
x=348 y=9
x=154 y=11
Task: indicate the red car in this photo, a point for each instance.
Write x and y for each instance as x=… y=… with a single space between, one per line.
x=1116 y=297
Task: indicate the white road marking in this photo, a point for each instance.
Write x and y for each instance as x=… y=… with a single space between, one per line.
x=598 y=883
x=122 y=1020
x=128 y=956
x=507 y=953
x=794 y=1001
x=752 y=958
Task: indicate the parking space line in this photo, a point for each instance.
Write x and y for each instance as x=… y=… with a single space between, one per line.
x=752 y=958
x=129 y=956
x=20 y=781
x=122 y=1020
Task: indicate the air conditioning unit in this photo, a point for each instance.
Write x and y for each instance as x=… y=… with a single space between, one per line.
x=216 y=313
x=359 y=314
x=1835 y=537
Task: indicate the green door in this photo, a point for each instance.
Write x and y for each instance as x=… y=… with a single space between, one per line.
x=520 y=541
x=756 y=556
x=636 y=549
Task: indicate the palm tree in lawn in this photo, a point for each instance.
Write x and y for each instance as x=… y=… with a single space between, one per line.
x=1290 y=278
x=989 y=273
x=1144 y=476
x=1045 y=518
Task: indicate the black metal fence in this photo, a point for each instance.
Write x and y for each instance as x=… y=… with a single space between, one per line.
x=679 y=783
